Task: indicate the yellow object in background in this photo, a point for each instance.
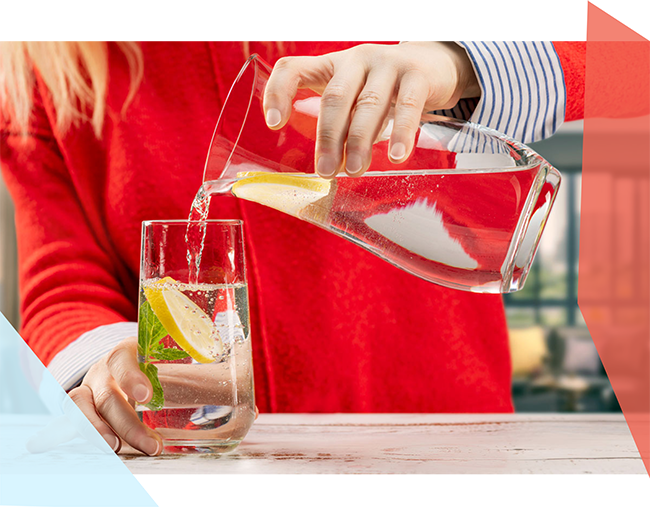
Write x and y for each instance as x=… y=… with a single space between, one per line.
x=527 y=349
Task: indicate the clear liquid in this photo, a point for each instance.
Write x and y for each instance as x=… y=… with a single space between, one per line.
x=465 y=230
x=208 y=406
x=195 y=236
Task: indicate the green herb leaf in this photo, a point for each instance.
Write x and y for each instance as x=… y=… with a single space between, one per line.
x=169 y=354
x=155 y=348
x=158 y=398
x=150 y=330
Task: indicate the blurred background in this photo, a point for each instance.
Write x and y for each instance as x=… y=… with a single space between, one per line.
x=556 y=367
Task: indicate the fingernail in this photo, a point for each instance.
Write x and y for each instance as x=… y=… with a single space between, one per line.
x=112 y=441
x=273 y=117
x=140 y=393
x=398 y=151
x=326 y=166
x=151 y=446
x=354 y=163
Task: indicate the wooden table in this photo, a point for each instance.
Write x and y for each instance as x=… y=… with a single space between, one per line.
x=415 y=444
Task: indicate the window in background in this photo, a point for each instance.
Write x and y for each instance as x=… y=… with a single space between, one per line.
x=551 y=290
x=568 y=376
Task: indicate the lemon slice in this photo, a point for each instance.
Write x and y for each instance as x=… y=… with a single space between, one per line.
x=185 y=322
x=289 y=193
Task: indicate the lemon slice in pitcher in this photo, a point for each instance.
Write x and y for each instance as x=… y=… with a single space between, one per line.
x=289 y=193
x=185 y=322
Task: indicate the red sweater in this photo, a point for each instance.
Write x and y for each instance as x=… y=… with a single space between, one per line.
x=334 y=328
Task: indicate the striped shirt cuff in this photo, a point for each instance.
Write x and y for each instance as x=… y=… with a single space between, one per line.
x=523 y=91
x=71 y=364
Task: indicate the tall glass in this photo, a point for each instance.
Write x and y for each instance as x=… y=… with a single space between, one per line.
x=194 y=336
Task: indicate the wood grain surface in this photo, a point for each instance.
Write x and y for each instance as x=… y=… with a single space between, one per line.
x=416 y=444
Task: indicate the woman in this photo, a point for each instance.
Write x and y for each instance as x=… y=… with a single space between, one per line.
x=111 y=135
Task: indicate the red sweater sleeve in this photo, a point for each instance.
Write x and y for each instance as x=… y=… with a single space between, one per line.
x=68 y=283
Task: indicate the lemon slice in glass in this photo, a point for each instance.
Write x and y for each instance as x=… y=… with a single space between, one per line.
x=289 y=193
x=185 y=322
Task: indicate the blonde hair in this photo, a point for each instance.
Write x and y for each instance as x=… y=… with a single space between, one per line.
x=75 y=73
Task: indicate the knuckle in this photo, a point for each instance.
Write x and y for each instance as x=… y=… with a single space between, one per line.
x=358 y=139
x=334 y=94
x=406 y=123
x=78 y=395
x=104 y=400
x=114 y=357
x=366 y=49
x=134 y=433
x=369 y=99
x=128 y=378
x=327 y=138
x=273 y=94
x=284 y=62
x=409 y=101
x=405 y=126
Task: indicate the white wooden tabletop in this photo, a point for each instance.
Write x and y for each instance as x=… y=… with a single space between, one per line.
x=417 y=443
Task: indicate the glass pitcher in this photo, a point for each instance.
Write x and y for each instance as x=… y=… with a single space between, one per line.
x=466 y=210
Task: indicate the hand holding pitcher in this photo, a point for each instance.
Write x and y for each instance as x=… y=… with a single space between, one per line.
x=358 y=87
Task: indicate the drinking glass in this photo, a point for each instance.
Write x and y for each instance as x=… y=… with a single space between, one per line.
x=194 y=334
x=465 y=210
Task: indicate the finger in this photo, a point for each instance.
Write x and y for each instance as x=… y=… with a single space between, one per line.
x=334 y=118
x=288 y=75
x=203 y=387
x=123 y=366
x=371 y=108
x=115 y=409
x=83 y=398
x=409 y=105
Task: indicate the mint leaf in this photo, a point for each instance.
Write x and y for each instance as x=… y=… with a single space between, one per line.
x=150 y=330
x=155 y=348
x=158 y=398
x=169 y=354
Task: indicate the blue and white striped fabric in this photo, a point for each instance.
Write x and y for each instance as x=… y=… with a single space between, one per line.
x=71 y=364
x=522 y=95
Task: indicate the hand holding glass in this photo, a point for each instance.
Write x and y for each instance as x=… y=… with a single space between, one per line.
x=194 y=335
